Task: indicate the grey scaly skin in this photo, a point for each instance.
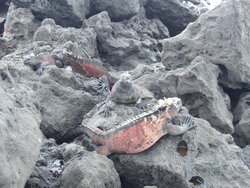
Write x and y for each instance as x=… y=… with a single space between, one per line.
x=125 y=91
x=41 y=61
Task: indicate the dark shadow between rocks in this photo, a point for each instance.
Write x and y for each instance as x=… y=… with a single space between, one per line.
x=234 y=95
x=196 y=180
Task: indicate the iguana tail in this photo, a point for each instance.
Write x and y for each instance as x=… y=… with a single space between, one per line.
x=94 y=133
x=71 y=135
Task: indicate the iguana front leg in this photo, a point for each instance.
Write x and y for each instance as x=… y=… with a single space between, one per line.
x=139 y=104
x=41 y=69
x=104 y=84
x=185 y=125
x=106 y=108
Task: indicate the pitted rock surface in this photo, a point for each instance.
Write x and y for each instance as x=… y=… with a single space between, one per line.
x=242 y=120
x=72 y=12
x=222 y=39
x=198 y=88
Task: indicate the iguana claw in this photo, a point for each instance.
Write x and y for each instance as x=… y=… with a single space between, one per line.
x=102 y=86
x=141 y=106
x=106 y=111
x=188 y=122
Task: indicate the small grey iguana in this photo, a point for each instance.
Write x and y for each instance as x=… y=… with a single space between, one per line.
x=126 y=92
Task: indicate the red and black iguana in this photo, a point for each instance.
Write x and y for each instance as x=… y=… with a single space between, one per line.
x=85 y=68
x=138 y=133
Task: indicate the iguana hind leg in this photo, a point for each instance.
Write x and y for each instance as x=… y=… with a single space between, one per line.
x=185 y=125
x=104 y=150
x=71 y=134
x=106 y=108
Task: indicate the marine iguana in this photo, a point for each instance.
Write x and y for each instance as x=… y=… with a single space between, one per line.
x=125 y=91
x=89 y=70
x=83 y=67
x=136 y=134
x=41 y=61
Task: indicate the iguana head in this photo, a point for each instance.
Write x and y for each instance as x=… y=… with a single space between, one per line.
x=125 y=80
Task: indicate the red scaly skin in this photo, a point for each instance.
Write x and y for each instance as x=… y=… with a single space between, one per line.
x=137 y=138
x=134 y=138
x=89 y=70
x=137 y=134
x=81 y=67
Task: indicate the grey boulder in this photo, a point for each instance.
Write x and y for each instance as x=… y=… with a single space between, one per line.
x=88 y=169
x=242 y=120
x=198 y=88
x=79 y=42
x=220 y=38
x=20 y=135
x=65 y=12
x=125 y=44
x=118 y=10
x=70 y=165
x=176 y=15
x=246 y=159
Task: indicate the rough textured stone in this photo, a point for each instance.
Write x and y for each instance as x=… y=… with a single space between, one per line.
x=88 y=169
x=67 y=101
x=57 y=100
x=176 y=15
x=211 y=160
x=198 y=88
x=4 y=5
x=62 y=97
x=65 y=12
x=118 y=10
x=246 y=159
x=151 y=27
x=125 y=44
x=221 y=38
x=19 y=27
x=79 y=42
x=70 y=165
x=48 y=168
x=2 y=21
x=4 y=47
x=242 y=120
x=19 y=23
x=20 y=135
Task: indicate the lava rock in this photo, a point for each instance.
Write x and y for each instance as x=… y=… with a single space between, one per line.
x=20 y=24
x=67 y=13
x=61 y=96
x=2 y=21
x=246 y=159
x=67 y=105
x=118 y=10
x=70 y=165
x=198 y=88
x=124 y=44
x=176 y=15
x=21 y=137
x=242 y=120
x=79 y=42
x=220 y=38
x=88 y=169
